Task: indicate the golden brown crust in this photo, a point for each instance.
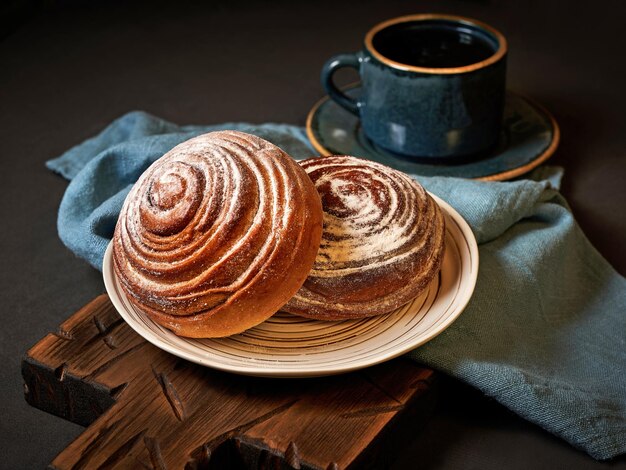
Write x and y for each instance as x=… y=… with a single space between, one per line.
x=382 y=244
x=217 y=235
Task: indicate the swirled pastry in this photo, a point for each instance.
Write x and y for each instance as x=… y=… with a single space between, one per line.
x=217 y=234
x=382 y=243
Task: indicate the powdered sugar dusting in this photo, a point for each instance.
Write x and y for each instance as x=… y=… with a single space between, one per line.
x=380 y=227
x=203 y=221
x=367 y=220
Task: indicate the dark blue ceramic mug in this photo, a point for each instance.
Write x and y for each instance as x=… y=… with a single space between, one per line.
x=432 y=85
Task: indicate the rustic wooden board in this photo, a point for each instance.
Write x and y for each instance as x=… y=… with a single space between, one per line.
x=145 y=408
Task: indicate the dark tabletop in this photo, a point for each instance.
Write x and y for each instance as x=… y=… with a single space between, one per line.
x=68 y=68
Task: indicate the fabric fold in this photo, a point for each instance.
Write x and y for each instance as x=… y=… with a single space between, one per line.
x=545 y=331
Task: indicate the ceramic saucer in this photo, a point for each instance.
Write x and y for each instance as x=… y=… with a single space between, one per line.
x=530 y=136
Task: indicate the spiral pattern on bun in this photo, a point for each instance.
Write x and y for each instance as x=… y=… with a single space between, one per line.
x=382 y=243
x=217 y=234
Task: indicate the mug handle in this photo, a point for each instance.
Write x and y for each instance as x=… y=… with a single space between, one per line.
x=330 y=67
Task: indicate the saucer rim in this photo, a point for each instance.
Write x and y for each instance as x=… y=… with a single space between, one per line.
x=500 y=176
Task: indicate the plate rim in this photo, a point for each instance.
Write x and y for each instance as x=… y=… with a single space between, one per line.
x=499 y=176
x=109 y=275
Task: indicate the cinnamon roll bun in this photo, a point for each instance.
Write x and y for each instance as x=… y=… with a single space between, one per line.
x=217 y=235
x=382 y=242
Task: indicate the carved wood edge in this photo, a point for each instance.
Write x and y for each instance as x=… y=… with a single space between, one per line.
x=59 y=384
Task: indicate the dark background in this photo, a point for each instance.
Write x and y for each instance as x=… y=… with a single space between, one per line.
x=68 y=68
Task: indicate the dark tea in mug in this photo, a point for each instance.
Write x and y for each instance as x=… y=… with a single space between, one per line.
x=436 y=44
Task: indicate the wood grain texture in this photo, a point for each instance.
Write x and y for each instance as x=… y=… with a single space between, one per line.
x=145 y=408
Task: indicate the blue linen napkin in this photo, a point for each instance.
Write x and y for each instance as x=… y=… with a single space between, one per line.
x=545 y=331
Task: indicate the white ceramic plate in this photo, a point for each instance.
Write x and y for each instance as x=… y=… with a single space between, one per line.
x=290 y=346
